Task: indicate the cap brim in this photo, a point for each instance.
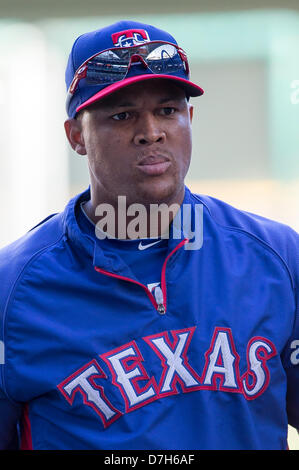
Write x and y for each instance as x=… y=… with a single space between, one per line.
x=191 y=88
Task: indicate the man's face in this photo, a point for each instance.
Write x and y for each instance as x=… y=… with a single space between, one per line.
x=138 y=143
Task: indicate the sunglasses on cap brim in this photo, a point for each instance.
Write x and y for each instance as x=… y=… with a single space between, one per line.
x=112 y=65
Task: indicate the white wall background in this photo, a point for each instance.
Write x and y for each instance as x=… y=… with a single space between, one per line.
x=33 y=159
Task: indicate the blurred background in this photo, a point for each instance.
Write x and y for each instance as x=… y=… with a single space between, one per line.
x=245 y=130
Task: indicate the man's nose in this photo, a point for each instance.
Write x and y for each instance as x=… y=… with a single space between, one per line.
x=149 y=131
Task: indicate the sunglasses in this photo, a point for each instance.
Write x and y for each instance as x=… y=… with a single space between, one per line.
x=112 y=65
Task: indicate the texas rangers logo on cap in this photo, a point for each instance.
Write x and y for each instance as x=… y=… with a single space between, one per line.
x=130 y=37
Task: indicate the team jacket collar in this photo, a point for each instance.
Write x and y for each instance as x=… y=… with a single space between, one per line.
x=94 y=250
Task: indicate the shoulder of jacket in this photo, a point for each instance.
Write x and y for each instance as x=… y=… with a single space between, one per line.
x=17 y=255
x=14 y=258
x=276 y=236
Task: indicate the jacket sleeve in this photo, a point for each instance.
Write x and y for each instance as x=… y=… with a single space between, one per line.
x=10 y=415
x=291 y=351
x=292 y=374
x=13 y=259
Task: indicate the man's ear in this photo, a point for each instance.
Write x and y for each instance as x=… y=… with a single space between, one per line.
x=73 y=130
x=190 y=106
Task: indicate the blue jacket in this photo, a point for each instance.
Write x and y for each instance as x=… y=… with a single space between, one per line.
x=90 y=363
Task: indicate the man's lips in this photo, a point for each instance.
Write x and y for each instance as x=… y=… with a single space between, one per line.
x=154 y=165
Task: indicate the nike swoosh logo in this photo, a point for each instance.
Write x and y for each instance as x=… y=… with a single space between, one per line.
x=144 y=247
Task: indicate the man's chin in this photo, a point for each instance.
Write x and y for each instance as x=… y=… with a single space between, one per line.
x=158 y=191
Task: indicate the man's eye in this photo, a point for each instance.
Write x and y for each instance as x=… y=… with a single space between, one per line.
x=121 y=116
x=168 y=111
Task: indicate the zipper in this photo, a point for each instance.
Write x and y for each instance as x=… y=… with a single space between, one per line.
x=159 y=298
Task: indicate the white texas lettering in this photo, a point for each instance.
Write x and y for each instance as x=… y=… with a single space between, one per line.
x=259 y=351
x=174 y=360
x=126 y=367
x=93 y=395
x=220 y=359
x=220 y=372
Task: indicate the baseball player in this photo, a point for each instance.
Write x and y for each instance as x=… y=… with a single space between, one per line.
x=186 y=338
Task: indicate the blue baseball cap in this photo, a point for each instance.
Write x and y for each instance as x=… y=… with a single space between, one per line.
x=117 y=35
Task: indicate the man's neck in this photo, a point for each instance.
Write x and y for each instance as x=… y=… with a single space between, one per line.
x=135 y=221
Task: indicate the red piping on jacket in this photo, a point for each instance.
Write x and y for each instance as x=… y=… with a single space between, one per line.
x=163 y=280
x=26 y=436
x=163 y=276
